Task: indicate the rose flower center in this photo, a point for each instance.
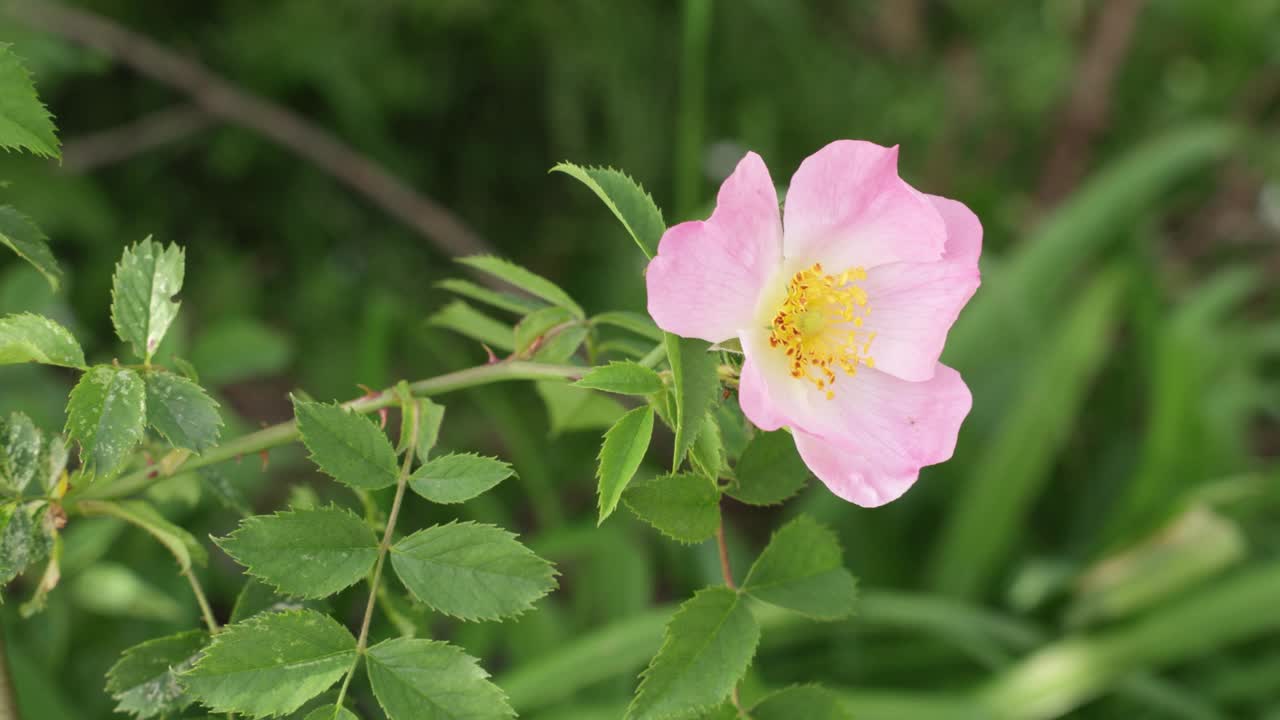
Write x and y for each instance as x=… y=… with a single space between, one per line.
x=819 y=325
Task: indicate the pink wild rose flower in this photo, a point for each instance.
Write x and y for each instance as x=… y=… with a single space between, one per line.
x=842 y=311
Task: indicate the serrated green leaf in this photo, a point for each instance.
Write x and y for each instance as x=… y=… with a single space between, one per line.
x=331 y=712
x=470 y=322
x=570 y=409
x=21 y=446
x=459 y=477
x=34 y=338
x=623 y=378
x=635 y=322
x=271 y=663
x=142 y=307
x=432 y=680
x=24 y=238
x=306 y=553
x=706 y=649
x=348 y=447
x=24 y=540
x=707 y=453
x=527 y=281
x=145 y=680
x=697 y=385
x=182 y=544
x=471 y=571
x=181 y=411
x=684 y=507
x=624 y=447
x=624 y=197
x=106 y=413
x=802 y=570
x=769 y=471
x=801 y=701
x=493 y=298
x=25 y=123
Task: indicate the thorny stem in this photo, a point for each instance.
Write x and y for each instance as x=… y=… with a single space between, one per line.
x=401 y=481
x=202 y=601
x=287 y=432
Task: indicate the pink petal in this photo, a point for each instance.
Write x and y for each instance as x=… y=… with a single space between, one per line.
x=707 y=276
x=847 y=207
x=964 y=230
x=891 y=429
x=753 y=396
x=914 y=305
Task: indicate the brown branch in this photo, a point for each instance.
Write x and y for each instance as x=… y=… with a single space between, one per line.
x=221 y=99
x=108 y=147
x=1085 y=112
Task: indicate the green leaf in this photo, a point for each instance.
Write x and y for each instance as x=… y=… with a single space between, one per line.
x=145 y=680
x=182 y=544
x=106 y=414
x=684 y=507
x=769 y=471
x=21 y=445
x=706 y=649
x=470 y=322
x=350 y=448
x=305 y=553
x=531 y=283
x=430 y=417
x=271 y=663
x=561 y=344
x=535 y=326
x=623 y=378
x=35 y=338
x=802 y=570
x=625 y=445
x=697 y=386
x=500 y=300
x=624 y=197
x=181 y=411
x=25 y=539
x=459 y=477
x=801 y=701
x=331 y=712
x=25 y=123
x=570 y=408
x=707 y=453
x=431 y=680
x=142 y=307
x=635 y=322
x=470 y=571
x=24 y=238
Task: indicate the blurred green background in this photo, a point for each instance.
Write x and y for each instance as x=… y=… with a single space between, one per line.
x=1106 y=542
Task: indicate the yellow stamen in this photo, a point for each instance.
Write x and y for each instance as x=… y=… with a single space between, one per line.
x=818 y=325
